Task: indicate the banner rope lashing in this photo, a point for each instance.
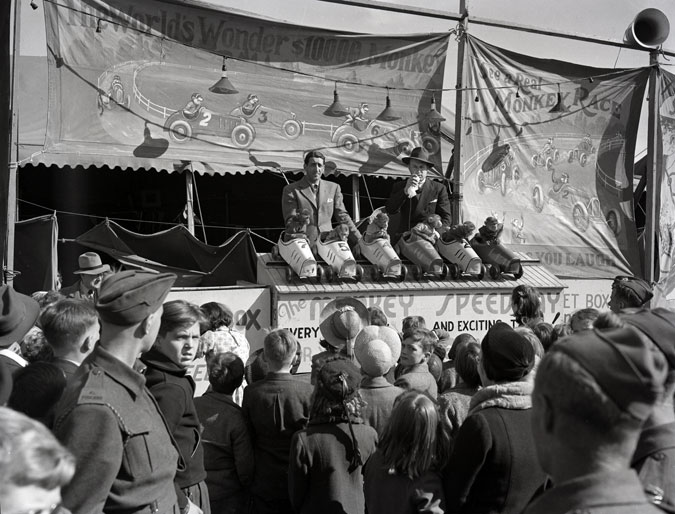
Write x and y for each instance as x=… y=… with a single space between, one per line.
x=199 y=206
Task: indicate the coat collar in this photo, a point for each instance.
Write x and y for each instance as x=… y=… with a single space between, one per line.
x=306 y=190
x=114 y=368
x=155 y=359
x=375 y=382
x=653 y=439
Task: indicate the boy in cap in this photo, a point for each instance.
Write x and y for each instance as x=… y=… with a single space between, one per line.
x=417 y=198
x=274 y=409
x=91 y=272
x=126 y=459
x=629 y=292
x=593 y=391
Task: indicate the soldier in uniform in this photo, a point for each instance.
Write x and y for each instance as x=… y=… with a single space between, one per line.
x=629 y=292
x=126 y=459
x=593 y=390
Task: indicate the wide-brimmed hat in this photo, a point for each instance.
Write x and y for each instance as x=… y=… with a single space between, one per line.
x=377 y=349
x=419 y=154
x=18 y=314
x=90 y=264
x=342 y=320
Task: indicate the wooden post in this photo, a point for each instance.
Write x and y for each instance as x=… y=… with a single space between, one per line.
x=457 y=195
x=356 y=211
x=5 y=130
x=189 y=195
x=651 y=224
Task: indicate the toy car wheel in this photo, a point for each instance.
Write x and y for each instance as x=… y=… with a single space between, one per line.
x=538 y=198
x=519 y=273
x=430 y=144
x=515 y=174
x=328 y=273
x=358 y=276
x=349 y=143
x=495 y=272
x=570 y=156
x=502 y=184
x=556 y=155
x=276 y=256
x=289 y=275
x=417 y=272
x=291 y=129
x=534 y=160
x=481 y=273
x=320 y=274
x=454 y=271
x=549 y=163
x=580 y=216
x=613 y=221
x=180 y=131
x=583 y=159
x=404 y=145
x=242 y=136
x=404 y=274
x=480 y=179
x=445 y=271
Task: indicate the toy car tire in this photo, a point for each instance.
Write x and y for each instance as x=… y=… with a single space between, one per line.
x=430 y=144
x=519 y=273
x=348 y=143
x=613 y=221
x=482 y=272
x=454 y=271
x=289 y=275
x=328 y=273
x=358 y=276
x=495 y=272
x=403 y=275
x=180 y=131
x=291 y=129
x=583 y=159
x=320 y=274
x=444 y=272
x=242 y=136
x=538 y=198
x=417 y=272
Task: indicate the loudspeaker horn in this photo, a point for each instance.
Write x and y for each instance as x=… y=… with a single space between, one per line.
x=649 y=29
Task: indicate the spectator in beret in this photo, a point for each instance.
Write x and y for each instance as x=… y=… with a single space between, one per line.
x=654 y=457
x=325 y=469
x=413 y=370
x=377 y=349
x=629 y=292
x=126 y=458
x=583 y=319
x=228 y=451
x=496 y=434
x=593 y=391
x=33 y=466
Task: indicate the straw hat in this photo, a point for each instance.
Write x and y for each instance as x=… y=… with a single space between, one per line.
x=342 y=320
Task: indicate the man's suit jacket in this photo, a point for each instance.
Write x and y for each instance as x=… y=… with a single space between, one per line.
x=432 y=198
x=326 y=206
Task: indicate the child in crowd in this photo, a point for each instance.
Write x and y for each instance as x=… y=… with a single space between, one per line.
x=377 y=349
x=583 y=319
x=274 y=409
x=544 y=331
x=526 y=305
x=403 y=475
x=228 y=453
x=325 y=468
x=413 y=372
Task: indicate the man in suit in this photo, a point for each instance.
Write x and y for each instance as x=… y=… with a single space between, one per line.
x=321 y=198
x=91 y=272
x=416 y=198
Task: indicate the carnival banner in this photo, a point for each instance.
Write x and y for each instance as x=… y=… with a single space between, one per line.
x=159 y=83
x=548 y=149
x=665 y=165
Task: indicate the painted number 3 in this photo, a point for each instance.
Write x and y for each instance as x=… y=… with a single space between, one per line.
x=205 y=119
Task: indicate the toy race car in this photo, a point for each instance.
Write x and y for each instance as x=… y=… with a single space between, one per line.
x=462 y=257
x=386 y=263
x=426 y=260
x=340 y=260
x=300 y=259
x=498 y=258
x=183 y=125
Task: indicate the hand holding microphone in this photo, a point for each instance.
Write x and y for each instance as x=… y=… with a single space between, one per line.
x=412 y=186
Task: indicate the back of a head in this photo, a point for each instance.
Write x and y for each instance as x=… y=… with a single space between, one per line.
x=226 y=372
x=37 y=389
x=30 y=455
x=377 y=317
x=414 y=440
x=529 y=334
x=411 y=322
x=66 y=321
x=466 y=364
x=280 y=347
x=216 y=315
x=544 y=331
x=583 y=319
x=526 y=304
x=459 y=341
x=507 y=356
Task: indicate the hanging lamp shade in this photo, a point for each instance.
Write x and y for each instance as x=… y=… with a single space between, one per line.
x=433 y=115
x=388 y=114
x=336 y=109
x=223 y=86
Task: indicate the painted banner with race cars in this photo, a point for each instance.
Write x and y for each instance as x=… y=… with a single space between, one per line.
x=547 y=149
x=144 y=84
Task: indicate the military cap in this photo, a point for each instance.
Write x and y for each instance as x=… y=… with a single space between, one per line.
x=506 y=355
x=128 y=297
x=624 y=368
x=657 y=324
x=639 y=287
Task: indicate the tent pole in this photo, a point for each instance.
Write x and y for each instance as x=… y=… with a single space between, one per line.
x=457 y=195
x=189 y=194
x=653 y=189
x=355 y=197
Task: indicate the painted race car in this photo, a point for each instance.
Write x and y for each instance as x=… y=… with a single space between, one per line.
x=497 y=170
x=497 y=258
x=547 y=157
x=462 y=257
x=583 y=151
x=183 y=125
x=114 y=96
x=299 y=257
x=426 y=260
x=386 y=263
x=340 y=260
x=285 y=122
x=355 y=135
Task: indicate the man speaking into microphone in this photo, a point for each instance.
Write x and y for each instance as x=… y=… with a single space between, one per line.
x=418 y=197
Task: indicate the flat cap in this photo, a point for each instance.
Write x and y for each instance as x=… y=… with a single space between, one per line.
x=128 y=297
x=657 y=324
x=640 y=287
x=625 y=369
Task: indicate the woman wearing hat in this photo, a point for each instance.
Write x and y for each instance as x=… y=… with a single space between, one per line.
x=494 y=466
x=326 y=458
x=418 y=197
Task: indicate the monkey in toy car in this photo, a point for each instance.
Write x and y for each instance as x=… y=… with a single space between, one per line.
x=459 y=232
x=296 y=226
x=339 y=233
x=490 y=232
x=377 y=229
x=428 y=229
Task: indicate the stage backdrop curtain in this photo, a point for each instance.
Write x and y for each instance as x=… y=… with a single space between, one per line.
x=132 y=84
x=548 y=149
x=35 y=255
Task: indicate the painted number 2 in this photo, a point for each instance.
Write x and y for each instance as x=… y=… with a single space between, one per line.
x=205 y=119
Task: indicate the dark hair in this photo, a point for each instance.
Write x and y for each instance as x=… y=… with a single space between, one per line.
x=545 y=333
x=226 y=372
x=608 y=319
x=415 y=440
x=421 y=336
x=216 y=315
x=466 y=363
x=377 y=317
x=526 y=304
x=316 y=154
x=37 y=389
x=410 y=322
x=66 y=321
x=45 y=298
x=585 y=317
x=178 y=314
x=461 y=340
x=34 y=346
